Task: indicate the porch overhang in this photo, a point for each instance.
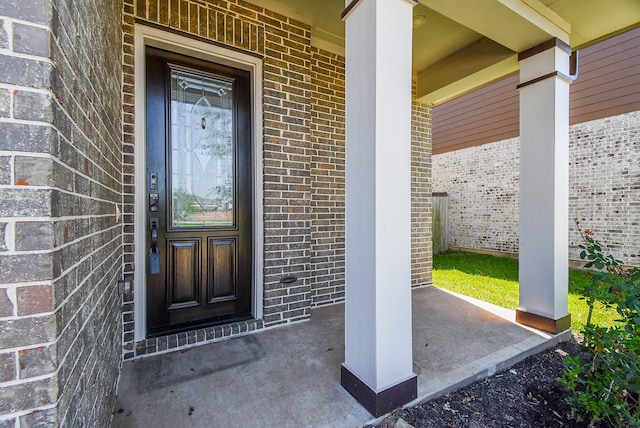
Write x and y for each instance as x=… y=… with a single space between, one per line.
x=506 y=28
x=461 y=46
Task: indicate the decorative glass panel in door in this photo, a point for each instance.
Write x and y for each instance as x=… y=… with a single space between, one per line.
x=202 y=150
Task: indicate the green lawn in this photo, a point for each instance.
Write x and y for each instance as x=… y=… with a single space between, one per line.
x=495 y=280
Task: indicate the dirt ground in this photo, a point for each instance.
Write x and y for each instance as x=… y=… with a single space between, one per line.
x=526 y=395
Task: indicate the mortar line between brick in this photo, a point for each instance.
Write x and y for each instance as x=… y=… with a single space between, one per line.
x=29 y=252
x=66 y=192
x=29 y=154
x=25 y=23
x=27 y=380
x=19 y=317
x=49 y=218
x=27 y=122
x=12 y=54
x=7 y=416
x=9 y=29
x=6 y=286
x=12 y=87
x=27 y=347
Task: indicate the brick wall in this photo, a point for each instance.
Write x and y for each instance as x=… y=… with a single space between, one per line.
x=60 y=185
x=285 y=45
x=604 y=192
x=303 y=157
x=327 y=176
x=421 y=240
x=287 y=167
x=604 y=177
x=482 y=184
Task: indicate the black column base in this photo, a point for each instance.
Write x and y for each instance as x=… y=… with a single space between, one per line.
x=382 y=402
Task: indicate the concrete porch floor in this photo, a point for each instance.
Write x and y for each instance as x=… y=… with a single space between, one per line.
x=290 y=376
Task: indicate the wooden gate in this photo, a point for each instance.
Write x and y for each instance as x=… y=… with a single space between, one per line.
x=440 y=225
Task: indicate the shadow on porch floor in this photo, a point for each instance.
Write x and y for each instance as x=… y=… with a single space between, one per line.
x=290 y=376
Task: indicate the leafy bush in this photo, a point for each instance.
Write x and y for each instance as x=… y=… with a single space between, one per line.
x=604 y=382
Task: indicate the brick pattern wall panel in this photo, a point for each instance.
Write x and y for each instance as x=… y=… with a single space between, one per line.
x=287 y=175
x=482 y=184
x=285 y=45
x=28 y=323
x=328 y=177
x=60 y=179
x=604 y=189
x=421 y=242
x=604 y=192
x=88 y=116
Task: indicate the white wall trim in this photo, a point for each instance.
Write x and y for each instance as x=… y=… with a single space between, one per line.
x=147 y=36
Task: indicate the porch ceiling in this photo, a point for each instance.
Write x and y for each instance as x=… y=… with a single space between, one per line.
x=463 y=45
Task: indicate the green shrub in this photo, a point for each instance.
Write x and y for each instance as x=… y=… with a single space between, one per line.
x=604 y=381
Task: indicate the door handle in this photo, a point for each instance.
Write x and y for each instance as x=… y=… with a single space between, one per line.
x=154 y=252
x=153 y=224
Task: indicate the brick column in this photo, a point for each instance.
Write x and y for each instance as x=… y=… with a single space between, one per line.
x=378 y=351
x=544 y=186
x=421 y=207
x=60 y=230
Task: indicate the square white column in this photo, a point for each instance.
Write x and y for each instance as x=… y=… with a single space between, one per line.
x=378 y=341
x=544 y=186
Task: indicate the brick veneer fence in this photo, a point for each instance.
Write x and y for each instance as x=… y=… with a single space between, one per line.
x=60 y=185
x=604 y=189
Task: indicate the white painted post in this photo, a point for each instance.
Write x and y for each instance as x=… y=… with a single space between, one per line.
x=544 y=186
x=378 y=340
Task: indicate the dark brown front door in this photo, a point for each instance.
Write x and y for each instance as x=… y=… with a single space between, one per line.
x=198 y=184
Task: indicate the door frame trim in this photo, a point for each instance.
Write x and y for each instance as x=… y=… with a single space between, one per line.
x=148 y=36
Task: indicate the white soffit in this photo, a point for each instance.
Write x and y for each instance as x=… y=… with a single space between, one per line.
x=453 y=28
x=596 y=19
x=515 y=24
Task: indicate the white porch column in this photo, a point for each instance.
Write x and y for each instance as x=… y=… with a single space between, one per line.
x=544 y=186
x=378 y=343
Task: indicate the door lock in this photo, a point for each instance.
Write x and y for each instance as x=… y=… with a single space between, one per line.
x=153 y=202
x=154 y=251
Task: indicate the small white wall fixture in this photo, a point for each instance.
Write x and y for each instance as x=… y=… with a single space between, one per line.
x=544 y=186
x=378 y=341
